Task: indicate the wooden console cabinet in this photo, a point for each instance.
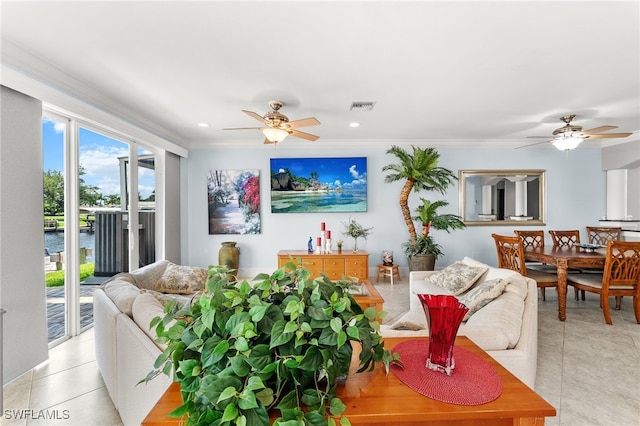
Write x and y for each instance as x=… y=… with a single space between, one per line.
x=335 y=265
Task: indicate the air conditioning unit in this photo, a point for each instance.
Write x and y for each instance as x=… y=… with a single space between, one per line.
x=112 y=241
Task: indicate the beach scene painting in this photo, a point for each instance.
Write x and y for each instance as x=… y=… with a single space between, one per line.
x=234 y=201
x=312 y=185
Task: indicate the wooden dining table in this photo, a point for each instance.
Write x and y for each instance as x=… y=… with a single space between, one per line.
x=564 y=258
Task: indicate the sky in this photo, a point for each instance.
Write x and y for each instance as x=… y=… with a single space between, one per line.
x=332 y=171
x=98 y=156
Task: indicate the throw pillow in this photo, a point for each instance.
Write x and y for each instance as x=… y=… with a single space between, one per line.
x=492 y=272
x=477 y=298
x=148 y=276
x=180 y=299
x=472 y=262
x=457 y=278
x=180 y=279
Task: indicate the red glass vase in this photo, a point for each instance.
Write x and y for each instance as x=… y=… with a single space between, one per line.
x=444 y=316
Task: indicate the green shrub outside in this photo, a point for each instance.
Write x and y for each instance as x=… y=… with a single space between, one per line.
x=56 y=278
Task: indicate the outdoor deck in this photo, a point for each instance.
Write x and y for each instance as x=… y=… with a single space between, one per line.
x=56 y=309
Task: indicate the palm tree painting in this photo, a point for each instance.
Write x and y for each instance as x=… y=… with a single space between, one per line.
x=234 y=201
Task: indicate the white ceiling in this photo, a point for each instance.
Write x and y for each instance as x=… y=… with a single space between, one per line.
x=438 y=71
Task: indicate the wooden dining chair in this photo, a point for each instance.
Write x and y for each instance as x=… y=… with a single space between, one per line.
x=621 y=277
x=531 y=239
x=535 y=239
x=601 y=235
x=510 y=251
x=565 y=238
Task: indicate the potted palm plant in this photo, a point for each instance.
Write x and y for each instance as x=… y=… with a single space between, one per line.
x=419 y=170
x=423 y=251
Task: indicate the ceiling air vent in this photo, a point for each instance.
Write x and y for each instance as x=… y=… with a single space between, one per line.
x=362 y=106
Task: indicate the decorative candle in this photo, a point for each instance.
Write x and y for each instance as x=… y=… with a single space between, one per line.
x=322 y=226
x=328 y=235
x=319 y=241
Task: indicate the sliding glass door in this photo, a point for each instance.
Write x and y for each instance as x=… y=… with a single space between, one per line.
x=54 y=133
x=87 y=176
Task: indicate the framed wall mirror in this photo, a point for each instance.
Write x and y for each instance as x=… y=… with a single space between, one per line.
x=502 y=197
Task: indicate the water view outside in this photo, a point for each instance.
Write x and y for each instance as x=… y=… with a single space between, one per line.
x=54 y=242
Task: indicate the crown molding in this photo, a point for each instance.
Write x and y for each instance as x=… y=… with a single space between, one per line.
x=61 y=91
x=257 y=142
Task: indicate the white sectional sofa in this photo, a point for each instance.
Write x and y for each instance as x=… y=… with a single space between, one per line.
x=125 y=347
x=506 y=328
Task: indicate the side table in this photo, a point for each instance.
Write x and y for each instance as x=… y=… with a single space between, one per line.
x=388 y=271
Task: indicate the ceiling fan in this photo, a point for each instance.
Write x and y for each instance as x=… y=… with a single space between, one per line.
x=570 y=136
x=277 y=125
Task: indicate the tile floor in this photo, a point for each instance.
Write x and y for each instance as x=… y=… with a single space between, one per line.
x=588 y=370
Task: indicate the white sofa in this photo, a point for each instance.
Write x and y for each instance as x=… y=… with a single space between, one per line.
x=506 y=328
x=125 y=347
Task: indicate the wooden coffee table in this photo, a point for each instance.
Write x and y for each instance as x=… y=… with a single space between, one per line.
x=373 y=398
x=371 y=298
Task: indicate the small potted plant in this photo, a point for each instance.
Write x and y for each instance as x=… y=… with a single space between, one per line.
x=281 y=342
x=339 y=244
x=355 y=230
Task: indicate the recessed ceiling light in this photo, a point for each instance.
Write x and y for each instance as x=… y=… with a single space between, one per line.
x=354 y=124
x=203 y=124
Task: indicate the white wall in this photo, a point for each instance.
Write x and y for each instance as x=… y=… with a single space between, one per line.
x=21 y=245
x=575 y=198
x=618 y=158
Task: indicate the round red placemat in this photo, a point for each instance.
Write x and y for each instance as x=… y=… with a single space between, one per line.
x=473 y=381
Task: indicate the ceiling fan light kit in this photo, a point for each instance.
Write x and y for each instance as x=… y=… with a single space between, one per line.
x=569 y=136
x=278 y=126
x=274 y=135
x=567 y=143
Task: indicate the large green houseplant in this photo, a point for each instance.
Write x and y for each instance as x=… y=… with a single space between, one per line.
x=419 y=170
x=279 y=342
